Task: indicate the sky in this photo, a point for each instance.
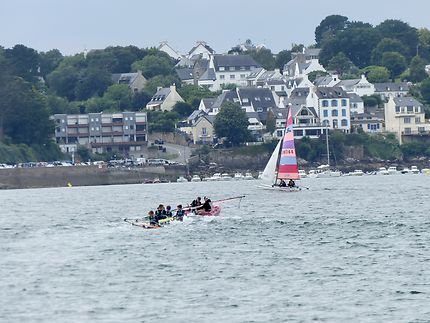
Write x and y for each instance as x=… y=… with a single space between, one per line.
x=74 y=25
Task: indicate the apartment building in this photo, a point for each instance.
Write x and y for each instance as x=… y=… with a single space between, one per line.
x=123 y=132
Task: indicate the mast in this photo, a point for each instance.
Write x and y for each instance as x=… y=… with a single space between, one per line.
x=326 y=141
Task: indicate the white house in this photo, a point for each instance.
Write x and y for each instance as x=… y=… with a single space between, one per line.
x=165 y=47
x=201 y=49
x=303 y=63
x=231 y=69
x=164 y=99
x=360 y=86
x=333 y=107
x=356 y=103
x=405 y=116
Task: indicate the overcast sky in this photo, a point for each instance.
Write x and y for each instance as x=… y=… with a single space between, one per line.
x=73 y=25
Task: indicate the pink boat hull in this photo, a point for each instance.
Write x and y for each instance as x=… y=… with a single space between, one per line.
x=216 y=210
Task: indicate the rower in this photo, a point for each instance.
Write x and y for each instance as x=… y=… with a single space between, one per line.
x=168 y=212
x=180 y=213
x=207 y=205
x=291 y=183
x=282 y=183
x=160 y=213
x=153 y=220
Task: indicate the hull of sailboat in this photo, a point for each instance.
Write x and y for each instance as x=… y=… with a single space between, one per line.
x=328 y=174
x=280 y=189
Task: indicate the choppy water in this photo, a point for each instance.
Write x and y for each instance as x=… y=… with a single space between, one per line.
x=347 y=249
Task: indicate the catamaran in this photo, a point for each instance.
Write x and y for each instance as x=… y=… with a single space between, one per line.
x=282 y=165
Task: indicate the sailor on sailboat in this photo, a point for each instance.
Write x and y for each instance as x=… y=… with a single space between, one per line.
x=282 y=164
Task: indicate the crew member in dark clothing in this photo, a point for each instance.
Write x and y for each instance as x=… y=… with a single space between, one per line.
x=207 y=205
x=196 y=204
x=180 y=213
x=160 y=213
x=169 y=213
x=152 y=218
x=282 y=183
x=291 y=183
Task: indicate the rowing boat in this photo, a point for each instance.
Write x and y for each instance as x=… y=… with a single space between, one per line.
x=215 y=211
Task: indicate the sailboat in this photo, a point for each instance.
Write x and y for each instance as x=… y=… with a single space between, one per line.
x=282 y=165
x=324 y=171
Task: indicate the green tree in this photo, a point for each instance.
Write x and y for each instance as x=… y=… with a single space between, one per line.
x=183 y=109
x=93 y=82
x=232 y=123
x=329 y=26
x=152 y=65
x=282 y=58
x=417 y=71
x=63 y=81
x=270 y=122
x=425 y=90
x=376 y=74
x=372 y=100
x=397 y=29
x=23 y=61
x=312 y=76
x=49 y=61
x=121 y=94
x=193 y=94
x=340 y=63
x=394 y=62
x=264 y=57
x=387 y=45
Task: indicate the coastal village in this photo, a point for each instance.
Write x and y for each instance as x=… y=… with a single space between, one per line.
x=323 y=98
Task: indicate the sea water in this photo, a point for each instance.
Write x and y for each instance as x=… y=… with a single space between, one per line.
x=351 y=249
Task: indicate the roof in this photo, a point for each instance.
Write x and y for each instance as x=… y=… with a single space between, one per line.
x=209 y=74
x=276 y=82
x=348 y=83
x=234 y=61
x=202 y=43
x=124 y=78
x=355 y=98
x=323 y=80
x=330 y=93
x=185 y=73
x=208 y=102
x=391 y=87
x=258 y=97
x=407 y=101
x=195 y=114
x=160 y=96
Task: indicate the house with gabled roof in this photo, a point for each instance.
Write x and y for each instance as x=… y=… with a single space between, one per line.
x=206 y=104
x=306 y=122
x=232 y=69
x=327 y=80
x=135 y=81
x=405 y=116
x=164 y=99
x=360 y=86
x=303 y=63
x=199 y=126
x=356 y=104
x=261 y=76
x=385 y=90
x=370 y=121
x=165 y=47
x=201 y=49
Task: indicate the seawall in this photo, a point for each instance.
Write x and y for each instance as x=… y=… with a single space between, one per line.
x=37 y=177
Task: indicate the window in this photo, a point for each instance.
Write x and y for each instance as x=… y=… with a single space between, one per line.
x=417 y=120
x=334 y=113
x=259 y=109
x=92 y=119
x=126 y=118
x=204 y=131
x=222 y=68
x=344 y=123
x=92 y=128
x=279 y=133
x=242 y=76
x=221 y=77
x=231 y=68
x=324 y=103
x=126 y=127
x=97 y=119
x=131 y=118
x=343 y=102
x=272 y=88
x=97 y=128
x=131 y=127
x=325 y=113
x=407 y=120
x=257 y=98
x=245 y=100
x=326 y=123
x=343 y=112
x=232 y=76
x=334 y=103
x=335 y=123
x=267 y=98
x=410 y=109
x=242 y=68
x=421 y=129
x=304 y=112
x=397 y=109
x=408 y=131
